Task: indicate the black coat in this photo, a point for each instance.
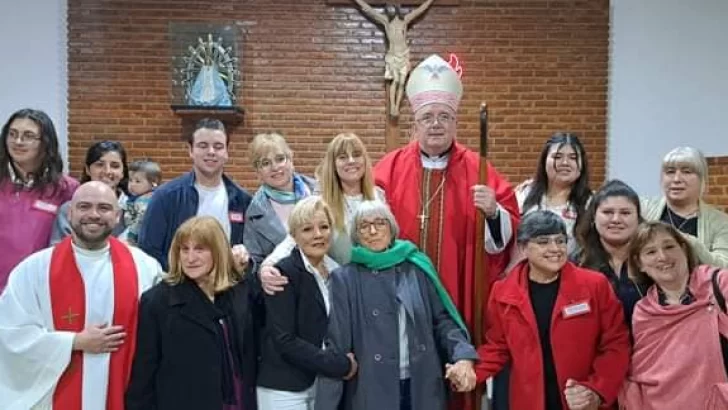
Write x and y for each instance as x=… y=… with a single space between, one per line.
x=296 y=324
x=177 y=364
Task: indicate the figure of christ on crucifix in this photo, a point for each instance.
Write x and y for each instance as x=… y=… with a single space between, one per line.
x=397 y=59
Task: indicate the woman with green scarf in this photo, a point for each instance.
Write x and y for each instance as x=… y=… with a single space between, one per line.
x=390 y=310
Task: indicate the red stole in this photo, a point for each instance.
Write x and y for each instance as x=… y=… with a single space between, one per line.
x=400 y=173
x=68 y=303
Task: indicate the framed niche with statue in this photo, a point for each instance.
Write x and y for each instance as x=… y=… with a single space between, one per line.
x=205 y=71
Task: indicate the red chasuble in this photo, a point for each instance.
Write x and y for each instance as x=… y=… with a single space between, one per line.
x=449 y=230
x=68 y=302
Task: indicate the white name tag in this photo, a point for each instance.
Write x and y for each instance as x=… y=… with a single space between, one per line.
x=577 y=309
x=236 y=217
x=45 y=206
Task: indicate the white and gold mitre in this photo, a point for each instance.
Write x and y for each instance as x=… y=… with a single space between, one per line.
x=434 y=81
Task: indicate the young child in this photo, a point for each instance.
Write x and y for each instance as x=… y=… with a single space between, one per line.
x=144 y=176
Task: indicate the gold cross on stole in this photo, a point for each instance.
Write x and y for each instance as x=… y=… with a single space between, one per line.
x=70 y=316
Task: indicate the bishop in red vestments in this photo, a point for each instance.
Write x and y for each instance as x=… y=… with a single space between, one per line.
x=432 y=188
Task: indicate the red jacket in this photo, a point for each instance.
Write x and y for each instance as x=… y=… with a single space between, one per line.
x=590 y=346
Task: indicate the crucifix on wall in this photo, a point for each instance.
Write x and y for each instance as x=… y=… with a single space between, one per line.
x=395 y=25
x=397 y=60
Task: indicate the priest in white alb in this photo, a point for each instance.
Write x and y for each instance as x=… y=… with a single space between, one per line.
x=68 y=315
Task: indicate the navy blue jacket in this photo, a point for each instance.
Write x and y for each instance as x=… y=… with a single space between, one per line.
x=175 y=202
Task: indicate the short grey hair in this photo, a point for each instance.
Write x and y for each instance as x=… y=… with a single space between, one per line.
x=691 y=157
x=368 y=209
x=539 y=223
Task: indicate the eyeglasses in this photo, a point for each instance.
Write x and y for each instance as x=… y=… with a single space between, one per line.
x=428 y=120
x=29 y=137
x=266 y=164
x=378 y=224
x=546 y=240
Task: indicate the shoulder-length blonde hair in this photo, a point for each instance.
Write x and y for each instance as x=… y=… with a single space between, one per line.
x=205 y=231
x=646 y=231
x=346 y=143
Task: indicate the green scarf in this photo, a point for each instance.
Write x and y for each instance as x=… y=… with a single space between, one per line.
x=400 y=251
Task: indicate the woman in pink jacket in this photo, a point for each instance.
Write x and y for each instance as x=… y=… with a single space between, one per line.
x=32 y=186
x=680 y=326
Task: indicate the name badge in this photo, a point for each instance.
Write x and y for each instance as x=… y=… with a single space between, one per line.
x=568 y=214
x=45 y=206
x=236 y=217
x=577 y=309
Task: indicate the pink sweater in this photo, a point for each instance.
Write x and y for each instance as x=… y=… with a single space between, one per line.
x=26 y=220
x=677 y=358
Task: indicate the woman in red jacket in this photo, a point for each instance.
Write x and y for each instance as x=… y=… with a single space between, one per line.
x=561 y=327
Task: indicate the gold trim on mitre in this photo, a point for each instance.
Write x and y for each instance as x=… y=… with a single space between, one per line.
x=434 y=81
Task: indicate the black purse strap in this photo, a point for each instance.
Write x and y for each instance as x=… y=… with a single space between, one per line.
x=717 y=294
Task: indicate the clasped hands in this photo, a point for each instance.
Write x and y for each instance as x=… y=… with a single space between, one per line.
x=461 y=375
x=579 y=397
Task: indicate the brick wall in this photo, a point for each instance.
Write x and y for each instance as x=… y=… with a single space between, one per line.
x=718 y=182
x=313 y=70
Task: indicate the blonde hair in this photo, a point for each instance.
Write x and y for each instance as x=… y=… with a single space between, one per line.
x=304 y=211
x=207 y=232
x=693 y=158
x=331 y=190
x=265 y=143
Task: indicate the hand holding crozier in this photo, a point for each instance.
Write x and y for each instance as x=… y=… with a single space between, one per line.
x=484 y=199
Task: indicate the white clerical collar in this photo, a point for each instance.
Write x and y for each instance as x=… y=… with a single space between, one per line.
x=430 y=162
x=91 y=253
x=436 y=161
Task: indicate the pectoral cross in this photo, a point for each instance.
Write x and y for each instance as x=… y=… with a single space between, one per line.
x=68 y=317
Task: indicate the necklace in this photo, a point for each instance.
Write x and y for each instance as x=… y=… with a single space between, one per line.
x=685 y=220
x=424 y=216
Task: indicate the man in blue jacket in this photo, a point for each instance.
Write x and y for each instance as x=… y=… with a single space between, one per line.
x=203 y=191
